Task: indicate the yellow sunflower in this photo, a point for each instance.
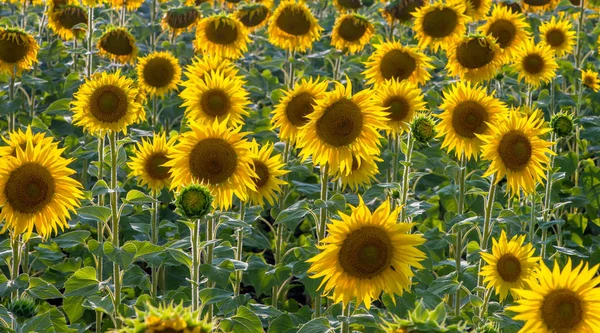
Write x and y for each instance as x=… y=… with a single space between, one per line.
x=363 y=173
x=478 y=9
x=347 y=5
x=535 y=63
x=401 y=101
x=62 y=20
x=253 y=16
x=218 y=97
x=293 y=108
x=509 y=28
x=129 y=4
x=178 y=20
x=269 y=169
x=515 y=150
x=560 y=300
x=197 y=2
x=559 y=35
x=221 y=36
x=401 y=10
x=367 y=253
x=17 y=49
x=589 y=78
x=36 y=190
x=19 y=138
x=509 y=266
x=293 y=27
x=216 y=156
x=341 y=126
x=207 y=64
x=158 y=73
x=467 y=111
x=439 y=24
x=351 y=32
x=107 y=102
x=117 y=44
x=166 y=318
x=539 y=5
x=474 y=58
x=147 y=162
x=391 y=60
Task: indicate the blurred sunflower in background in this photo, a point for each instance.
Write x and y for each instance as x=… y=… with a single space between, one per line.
x=392 y=60
x=221 y=36
x=347 y=5
x=200 y=66
x=590 y=79
x=474 y=58
x=477 y=9
x=147 y=162
x=401 y=10
x=178 y=20
x=401 y=101
x=62 y=20
x=117 y=44
x=361 y=175
x=269 y=170
x=509 y=28
x=559 y=35
x=197 y=2
x=539 y=5
x=439 y=24
x=351 y=32
x=18 y=51
x=254 y=16
x=166 y=318
x=366 y=253
x=516 y=150
x=130 y=5
x=293 y=27
x=158 y=73
x=535 y=63
x=18 y=138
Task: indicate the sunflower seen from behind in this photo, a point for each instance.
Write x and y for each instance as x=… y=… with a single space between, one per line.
x=439 y=24
x=221 y=36
x=589 y=78
x=117 y=44
x=510 y=265
x=562 y=300
x=147 y=162
x=342 y=125
x=467 y=110
x=18 y=138
x=18 y=51
x=180 y=19
x=37 y=192
x=158 y=73
x=559 y=35
x=107 y=102
x=401 y=101
x=293 y=27
x=474 y=58
x=367 y=253
x=509 y=28
x=535 y=63
x=269 y=170
x=516 y=149
x=362 y=174
x=351 y=32
x=392 y=60
x=214 y=155
x=62 y=20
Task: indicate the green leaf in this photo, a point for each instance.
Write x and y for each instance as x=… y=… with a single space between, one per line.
x=292 y=216
x=213 y=295
x=145 y=248
x=317 y=325
x=7 y=286
x=72 y=307
x=72 y=238
x=590 y=181
x=39 y=324
x=60 y=107
x=94 y=213
x=82 y=283
x=123 y=256
x=283 y=324
x=138 y=198
x=41 y=289
x=219 y=274
x=180 y=256
x=245 y=321
x=97 y=302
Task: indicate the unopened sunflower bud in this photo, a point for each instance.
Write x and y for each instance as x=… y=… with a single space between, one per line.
x=562 y=124
x=194 y=201
x=23 y=308
x=422 y=128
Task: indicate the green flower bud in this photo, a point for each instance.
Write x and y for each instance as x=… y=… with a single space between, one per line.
x=423 y=128
x=194 y=201
x=562 y=124
x=23 y=308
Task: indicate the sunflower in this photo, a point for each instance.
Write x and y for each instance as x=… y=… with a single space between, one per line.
x=197 y=2
x=217 y=156
x=467 y=111
x=474 y=58
x=589 y=78
x=509 y=28
x=535 y=63
x=515 y=150
x=509 y=266
x=253 y=16
x=221 y=36
x=178 y=20
x=351 y=32
x=539 y=5
x=268 y=169
x=19 y=138
x=62 y=20
x=293 y=108
x=560 y=300
x=391 y=60
x=347 y=5
x=207 y=64
x=217 y=96
x=117 y=44
x=363 y=173
x=17 y=49
x=129 y=4
x=293 y=27
x=401 y=10
x=107 y=102
x=558 y=34
x=341 y=126
x=36 y=190
x=401 y=100
x=439 y=24
x=478 y=9
x=165 y=318
x=367 y=253
x=158 y=73
x=147 y=162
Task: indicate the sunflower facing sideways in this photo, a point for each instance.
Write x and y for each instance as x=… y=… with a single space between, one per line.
x=37 y=191
x=474 y=58
x=363 y=173
x=269 y=169
x=62 y=20
x=147 y=162
x=351 y=32
x=158 y=73
x=18 y=49
x=343 y=126
x=216 y=156
x=293 y=108
x=293 y=27
x=535 y=63
x=439 y=24
x=216 y=97
x=590 y=79
x=221 y=36
x=107 y=102
x=559 y=35
x=515 y=150
x=564 y=301
x=19 y=138
x=117 y=44
x=466 y=112
x=178 y=20
x=510 y=29
x=509 y=266
x=392 y=60
x=366 y=253
x=401 y=101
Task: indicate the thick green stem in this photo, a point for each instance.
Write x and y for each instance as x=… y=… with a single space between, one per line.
x=532 y=221
x=100 y=226
x=487 y=225
x=155 y=112
x=210 y=236
x=578 y=46
x=406 y=175
x=11 y=97
x=115 y=219
x=16 y=260
x=279 y=235
x=548 y=196
x=322 y=225
x=153 y=22
x=239 y=256
x=90 y=42
x=154 y=218
x=462 y=175
x=577 y=132
x=194 y=270
x=345 y=323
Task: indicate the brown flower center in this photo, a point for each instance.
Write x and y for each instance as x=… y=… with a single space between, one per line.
x=340 y=124
x=108 y=104
x=213 y=160
x=215 y=103
x=159 y=72
x=398 y=65
x=262 y=172
x=555 y=38
x=509 y=268
x=475 y=53
x=293 y=21
x=504 y=31
x=352 y=29
x=13 y=50
x=469 y=118
x=398 y=108
x=116 y=42
x=562 y=311
x=299 y=107
x=533 y=63
x=515 y=150
x=154 y=166
x=252 y=18
x=366 y=252
x=221 y=31
x=29 y=188
x=440 y=23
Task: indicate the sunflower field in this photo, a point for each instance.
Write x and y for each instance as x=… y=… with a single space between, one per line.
x=299 y=166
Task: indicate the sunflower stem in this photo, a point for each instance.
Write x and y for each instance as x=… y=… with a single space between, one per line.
x=578 y=43
x=406 y=175
x=487 y=227
x=153 y=22
x=210 y=233
x=239 y=254
x=16 y=260
x=154 y=218
x=114 y=200
x=462 y=173
x=322 y=225
x=195 y=263
x=155 y=112
x=532 y=221
x=346 y=322
x=279 y=245
x=577 y=133
x=11 y=97
x=392 y=26
x=548 y=195
x=90 y=42
x=486 y=301
x=100 y=226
